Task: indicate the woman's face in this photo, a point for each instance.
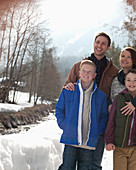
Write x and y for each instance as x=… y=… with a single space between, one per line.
x=126 y=60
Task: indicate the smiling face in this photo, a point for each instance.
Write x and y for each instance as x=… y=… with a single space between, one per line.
x=87 y=74
x=126 y=60
x=101 y=47
x=130 y=83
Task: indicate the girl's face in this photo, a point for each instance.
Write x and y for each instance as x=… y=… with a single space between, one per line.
x=126 y=60
x=130 y=82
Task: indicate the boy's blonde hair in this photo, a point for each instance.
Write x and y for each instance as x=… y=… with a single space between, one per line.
x=89 y=62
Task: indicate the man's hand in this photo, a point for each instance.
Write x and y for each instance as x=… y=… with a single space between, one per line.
x=70 y=86
x=128 y=109
x=110 y=147
x=109 y=108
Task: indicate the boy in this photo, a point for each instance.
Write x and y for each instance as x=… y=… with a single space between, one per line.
x=120 y=134
x=82 y=115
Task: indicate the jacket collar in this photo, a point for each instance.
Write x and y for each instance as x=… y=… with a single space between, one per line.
x=121 y=77
x=94 y=85
x=124 y=91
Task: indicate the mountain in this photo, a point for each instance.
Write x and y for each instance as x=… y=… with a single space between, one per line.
x=75 y=43
x=80 y=42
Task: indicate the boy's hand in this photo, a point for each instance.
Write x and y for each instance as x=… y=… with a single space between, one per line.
x=110 y=147
x=70 y=86
x=128 y=109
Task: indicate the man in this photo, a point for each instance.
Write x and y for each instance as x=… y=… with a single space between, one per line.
x=106 y=72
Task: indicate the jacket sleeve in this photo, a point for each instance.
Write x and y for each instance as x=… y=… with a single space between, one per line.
x=60 y=110
x=133 y=101
x=73 y=74
x=104 y=116
x=112 y=91
x=109 y=133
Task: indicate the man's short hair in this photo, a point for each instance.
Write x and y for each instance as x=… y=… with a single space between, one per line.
x=104 y=35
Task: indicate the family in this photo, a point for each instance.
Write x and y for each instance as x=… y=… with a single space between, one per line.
x=96 y=110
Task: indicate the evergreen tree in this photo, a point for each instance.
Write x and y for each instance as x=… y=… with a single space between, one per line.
x=114 y=53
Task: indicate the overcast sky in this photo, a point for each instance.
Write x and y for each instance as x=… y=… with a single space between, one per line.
x=66 y=15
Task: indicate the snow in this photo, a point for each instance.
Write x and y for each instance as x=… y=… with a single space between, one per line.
x=22 y=102
x=38 y=148
x=20 y=98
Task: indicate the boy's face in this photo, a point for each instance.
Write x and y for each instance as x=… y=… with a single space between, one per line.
x=87 y=73
x=130 y=82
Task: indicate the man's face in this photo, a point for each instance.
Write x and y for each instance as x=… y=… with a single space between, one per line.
x=100 y=47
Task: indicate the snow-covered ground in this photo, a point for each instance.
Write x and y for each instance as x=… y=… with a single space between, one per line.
x=22 y=101
x=36 y=149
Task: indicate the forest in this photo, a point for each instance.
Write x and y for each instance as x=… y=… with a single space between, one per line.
x=26 y=53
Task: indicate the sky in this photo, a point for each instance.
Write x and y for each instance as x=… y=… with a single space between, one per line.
x=67 y=15
x=39 y=148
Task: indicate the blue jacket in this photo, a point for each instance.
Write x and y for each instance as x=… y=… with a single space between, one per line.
x=69 y=115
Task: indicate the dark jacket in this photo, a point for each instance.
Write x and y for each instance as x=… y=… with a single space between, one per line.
x=121 y=129
x=69 y=115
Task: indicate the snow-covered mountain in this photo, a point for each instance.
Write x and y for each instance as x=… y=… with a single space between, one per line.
x=79 y=42
x=75 y=43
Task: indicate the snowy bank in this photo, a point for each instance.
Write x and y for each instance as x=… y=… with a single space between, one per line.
x=37 y=149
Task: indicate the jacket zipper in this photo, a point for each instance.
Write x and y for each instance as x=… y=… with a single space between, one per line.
x=90 y=116
x=80 y=115
x=125 y=132
x=129 y=141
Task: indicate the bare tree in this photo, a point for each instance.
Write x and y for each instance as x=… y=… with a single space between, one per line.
x=25 y=48
x=17 y=28
x=127 y=31
x=130 y=22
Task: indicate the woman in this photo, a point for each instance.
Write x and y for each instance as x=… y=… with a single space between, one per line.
x=127 y=61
